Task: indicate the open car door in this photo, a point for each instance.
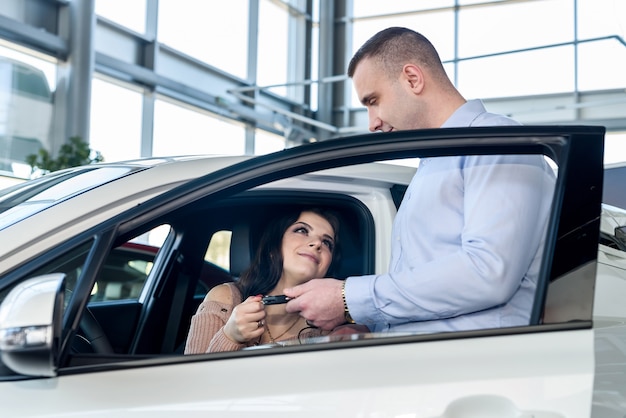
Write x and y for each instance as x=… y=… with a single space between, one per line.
x=543 y=369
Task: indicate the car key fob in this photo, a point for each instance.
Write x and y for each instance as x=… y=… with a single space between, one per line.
x=275 y=299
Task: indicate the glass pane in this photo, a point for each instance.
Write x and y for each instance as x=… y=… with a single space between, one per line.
x=115 y=126
x=219 y=249
x=375 y=7
x=552 y=21
x=601 y=65
x=179 y=130
x=71 y=263
x=615 y=147
x=131 y=14
x=127 y=267
x=527 y=73
x=266 y=142
x=438 y=27
x=215 y=34
x=522 y=183
x=27 y=86
x=601 y=18
x=273 y=46
x=216 y=267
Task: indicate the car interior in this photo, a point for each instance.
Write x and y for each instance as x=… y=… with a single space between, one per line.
x=156 y=320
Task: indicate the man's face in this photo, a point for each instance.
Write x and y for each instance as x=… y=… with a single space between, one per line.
x=391 y=104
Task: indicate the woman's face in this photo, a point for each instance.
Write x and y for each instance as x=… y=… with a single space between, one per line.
x=307 y=248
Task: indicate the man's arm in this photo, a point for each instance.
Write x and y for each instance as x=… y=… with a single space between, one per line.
x=468 y=255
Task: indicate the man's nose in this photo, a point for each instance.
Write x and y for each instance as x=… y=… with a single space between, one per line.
x=375 y=123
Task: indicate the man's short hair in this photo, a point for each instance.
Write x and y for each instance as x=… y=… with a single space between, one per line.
x=393 y=47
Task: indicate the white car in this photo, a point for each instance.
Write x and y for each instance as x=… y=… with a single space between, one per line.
x=85 y=334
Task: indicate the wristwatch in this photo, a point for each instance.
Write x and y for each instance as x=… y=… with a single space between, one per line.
x=346 y=312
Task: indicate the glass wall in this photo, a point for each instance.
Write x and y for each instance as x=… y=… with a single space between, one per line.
x=27 y=86
x=115 y=129
x=512 y=49
x=181 y=130
x=548 y=47
x=213 y=33
x=130 y=14
x=267 y=142
x=273 y=47
x=528 y=48
x=201 y=31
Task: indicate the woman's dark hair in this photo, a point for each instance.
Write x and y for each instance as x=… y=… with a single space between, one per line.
x=267 y=267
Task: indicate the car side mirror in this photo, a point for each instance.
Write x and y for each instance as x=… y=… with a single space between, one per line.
x=31 y=324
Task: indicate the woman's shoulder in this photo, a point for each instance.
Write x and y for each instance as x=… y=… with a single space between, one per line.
x=226 y=293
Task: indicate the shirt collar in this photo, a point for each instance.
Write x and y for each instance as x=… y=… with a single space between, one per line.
x=466 y=114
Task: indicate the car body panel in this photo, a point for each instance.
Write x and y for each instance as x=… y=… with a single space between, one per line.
x=347 y=383
x=610 y=288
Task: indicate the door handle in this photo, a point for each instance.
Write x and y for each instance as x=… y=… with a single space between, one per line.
x=491 y=406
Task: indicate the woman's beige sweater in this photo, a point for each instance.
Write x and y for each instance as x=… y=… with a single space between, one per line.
x=206 y=333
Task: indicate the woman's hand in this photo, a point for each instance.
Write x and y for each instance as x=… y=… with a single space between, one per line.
x=246 y=322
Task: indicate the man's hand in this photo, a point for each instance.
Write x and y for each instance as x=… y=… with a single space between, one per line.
x=319 y=301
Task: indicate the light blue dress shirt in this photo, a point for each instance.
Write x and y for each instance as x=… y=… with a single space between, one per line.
x=466 y=242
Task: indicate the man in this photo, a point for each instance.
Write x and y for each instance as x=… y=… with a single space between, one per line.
x=468 y=236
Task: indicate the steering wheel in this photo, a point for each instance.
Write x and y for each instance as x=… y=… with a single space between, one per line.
x=93 y=335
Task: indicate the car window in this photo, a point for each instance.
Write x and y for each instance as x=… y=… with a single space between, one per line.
x=216 y=265
x=365 y=246
x=128 y=266
x=70 y=262
x=124 y=272
x=218 y=251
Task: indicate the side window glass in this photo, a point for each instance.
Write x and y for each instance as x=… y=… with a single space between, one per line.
x=71 y=263
x=216 y=263
x=218 y=251
x=128 y=266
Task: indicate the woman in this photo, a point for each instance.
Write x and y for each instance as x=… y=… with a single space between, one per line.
x=295 y=249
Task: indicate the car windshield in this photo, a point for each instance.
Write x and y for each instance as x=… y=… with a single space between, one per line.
x=23 y=200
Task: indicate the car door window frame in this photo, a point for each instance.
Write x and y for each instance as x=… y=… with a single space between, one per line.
x=579 y=228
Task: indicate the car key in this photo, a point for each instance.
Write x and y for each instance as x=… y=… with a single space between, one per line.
x=275 y=299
